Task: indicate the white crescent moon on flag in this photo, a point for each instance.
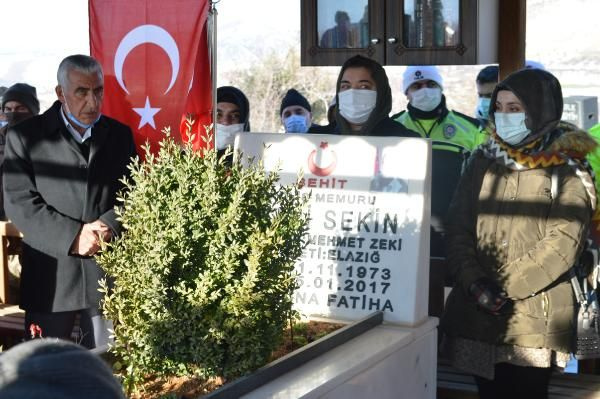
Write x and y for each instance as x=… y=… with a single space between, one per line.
x=147 y=34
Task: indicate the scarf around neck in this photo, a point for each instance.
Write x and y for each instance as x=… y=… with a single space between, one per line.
x=536 y=155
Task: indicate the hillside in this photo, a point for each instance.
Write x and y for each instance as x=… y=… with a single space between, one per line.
x=561 y=34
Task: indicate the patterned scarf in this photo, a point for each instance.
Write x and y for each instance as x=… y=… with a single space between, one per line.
x=535 y=155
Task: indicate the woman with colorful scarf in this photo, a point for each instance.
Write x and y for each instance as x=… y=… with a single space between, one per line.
x=517 y=223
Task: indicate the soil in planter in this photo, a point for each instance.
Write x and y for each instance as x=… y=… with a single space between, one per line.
x=194 y=387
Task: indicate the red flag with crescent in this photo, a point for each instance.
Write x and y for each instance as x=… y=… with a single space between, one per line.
x=155 y=57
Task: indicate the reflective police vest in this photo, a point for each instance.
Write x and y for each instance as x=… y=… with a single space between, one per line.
x=455 y=132
x=453 y=138
x=594 y=156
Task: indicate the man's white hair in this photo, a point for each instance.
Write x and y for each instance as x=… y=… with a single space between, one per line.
x=78 y=62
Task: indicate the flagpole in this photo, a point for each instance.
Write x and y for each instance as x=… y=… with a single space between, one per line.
x=213 y=66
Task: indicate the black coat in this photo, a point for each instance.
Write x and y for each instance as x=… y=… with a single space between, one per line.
x=50 y=190
x=385 y=127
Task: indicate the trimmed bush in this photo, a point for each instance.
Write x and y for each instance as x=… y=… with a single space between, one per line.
x=201 y=281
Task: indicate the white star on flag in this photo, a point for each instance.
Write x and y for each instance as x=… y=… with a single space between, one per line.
x=147 y=113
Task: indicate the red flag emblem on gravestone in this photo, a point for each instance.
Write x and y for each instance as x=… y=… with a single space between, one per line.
x=155 y=58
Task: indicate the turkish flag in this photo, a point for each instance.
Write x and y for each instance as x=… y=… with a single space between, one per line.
x=155 y=57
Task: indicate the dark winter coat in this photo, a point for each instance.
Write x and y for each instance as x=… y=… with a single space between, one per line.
x=50 y=191
x=385 y=127
x=506 y=225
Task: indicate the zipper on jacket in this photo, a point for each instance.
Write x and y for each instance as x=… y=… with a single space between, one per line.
x=545 y=305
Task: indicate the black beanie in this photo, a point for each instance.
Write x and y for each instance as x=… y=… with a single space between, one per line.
x=53 y=368
x=292 y=97
x=23 y=93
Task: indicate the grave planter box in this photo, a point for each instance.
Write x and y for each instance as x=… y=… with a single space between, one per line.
x=364 y=360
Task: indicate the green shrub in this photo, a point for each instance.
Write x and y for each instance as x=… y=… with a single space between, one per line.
x=201 y=281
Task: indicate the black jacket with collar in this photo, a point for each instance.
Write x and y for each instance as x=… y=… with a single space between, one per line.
x=50 y=191
x=385 y=127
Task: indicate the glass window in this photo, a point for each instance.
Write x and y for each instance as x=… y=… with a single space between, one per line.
x=343 y=23
x=431 y=23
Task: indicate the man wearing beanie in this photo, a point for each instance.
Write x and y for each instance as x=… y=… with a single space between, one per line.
x=20 y=98
x=19 y=102
x=295 y=112
x=454 y=136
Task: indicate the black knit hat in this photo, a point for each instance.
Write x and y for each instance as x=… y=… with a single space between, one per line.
x=23 y=93
x=293 y=97
x=53 y=368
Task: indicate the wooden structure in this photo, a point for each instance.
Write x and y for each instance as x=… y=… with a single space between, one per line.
x=390 y=36
x=8 y=231
x=12 y=321
x=511 y=47
x=11 y=317
x=454 y=384
x=404 y=33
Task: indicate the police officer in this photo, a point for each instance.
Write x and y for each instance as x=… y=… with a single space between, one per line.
x=454 y=136
x=486 y=82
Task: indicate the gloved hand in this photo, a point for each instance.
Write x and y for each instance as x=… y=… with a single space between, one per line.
x=489 y=296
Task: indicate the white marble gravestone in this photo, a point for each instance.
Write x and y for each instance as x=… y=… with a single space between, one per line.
x=368 y=243
x=368 y=250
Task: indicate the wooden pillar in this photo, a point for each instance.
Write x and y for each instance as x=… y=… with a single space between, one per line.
x=511 y=36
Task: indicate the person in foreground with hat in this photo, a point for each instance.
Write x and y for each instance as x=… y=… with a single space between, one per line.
x=454 y=136
x=19 y=102
x=58 y=369
x=516 y=225
x=295 y=112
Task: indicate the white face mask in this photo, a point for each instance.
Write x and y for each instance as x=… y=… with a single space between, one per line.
x=226 y=134
x=511 y=127
x=356 y=105
x=427 y=98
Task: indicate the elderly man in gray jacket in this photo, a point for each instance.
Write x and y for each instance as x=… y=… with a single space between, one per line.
x=61 y=178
